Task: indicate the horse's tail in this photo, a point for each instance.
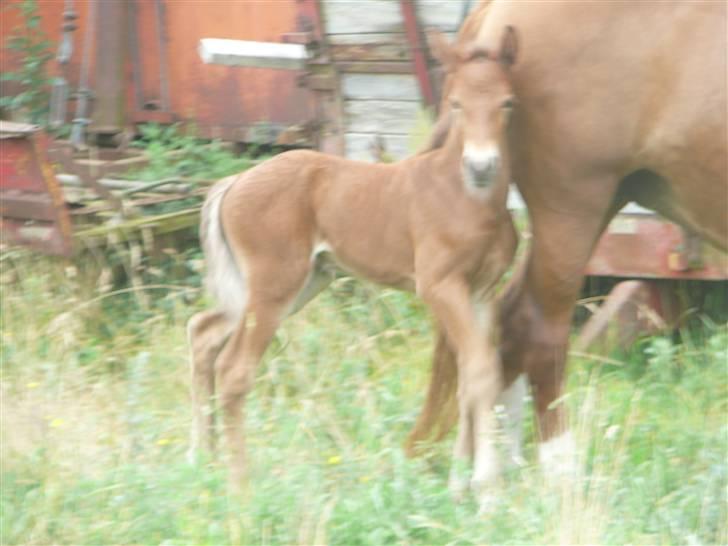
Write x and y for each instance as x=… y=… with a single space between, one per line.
x=440 y=410
x=225 y=279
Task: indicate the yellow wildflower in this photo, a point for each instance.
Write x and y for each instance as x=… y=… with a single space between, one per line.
x=334 y=459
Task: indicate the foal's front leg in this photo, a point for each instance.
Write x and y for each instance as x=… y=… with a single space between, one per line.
x=479 y=379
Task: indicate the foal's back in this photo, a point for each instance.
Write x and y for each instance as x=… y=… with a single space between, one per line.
x=309 y=201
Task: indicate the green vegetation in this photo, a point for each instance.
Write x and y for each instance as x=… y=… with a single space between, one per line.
x=33 y=50
x=95 y=417
x=177 y=152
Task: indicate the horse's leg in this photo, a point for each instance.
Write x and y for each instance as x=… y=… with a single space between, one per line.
x=466 y=324
x=538 y=307
x=273 y=290
x=321 y=276
x=207 y=332
x=512 y=401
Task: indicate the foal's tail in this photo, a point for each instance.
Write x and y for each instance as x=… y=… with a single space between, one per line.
x=224 y=280
x=440 y=410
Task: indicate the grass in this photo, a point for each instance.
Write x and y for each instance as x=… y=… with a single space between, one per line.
x=95 y=418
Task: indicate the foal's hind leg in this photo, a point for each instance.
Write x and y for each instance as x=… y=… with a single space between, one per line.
x=206 y=334
x=273 y=290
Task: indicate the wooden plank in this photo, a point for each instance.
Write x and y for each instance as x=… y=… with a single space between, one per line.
x=368 y=47
x=444 y=16
x=380 y=86
x=370 y=52
x=358 y=38
x=375 y=67
x=355 y=16
x=359 y=146
x=369 y=39
x=253 y=54
x=27 y=206
x=379 y=116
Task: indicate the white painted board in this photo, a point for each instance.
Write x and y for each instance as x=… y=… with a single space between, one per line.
x=252 y=54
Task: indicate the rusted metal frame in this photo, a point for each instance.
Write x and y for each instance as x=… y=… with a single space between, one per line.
x=59 y=89
x=136 y=64
x=632 y=308
x=24 y=206
x=163 y=40
x=32 y=206
x=419 y=59
x=83 y=96
x=647 y=247
x=54 y=189
x=110 y=89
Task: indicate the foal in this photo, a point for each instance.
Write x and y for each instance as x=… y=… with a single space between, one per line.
x=436 y=223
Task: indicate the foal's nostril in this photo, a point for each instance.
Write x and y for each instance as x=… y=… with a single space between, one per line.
x=482 y=171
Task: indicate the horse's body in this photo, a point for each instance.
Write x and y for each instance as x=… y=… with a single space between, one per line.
x=617 y=102
x=436 y=223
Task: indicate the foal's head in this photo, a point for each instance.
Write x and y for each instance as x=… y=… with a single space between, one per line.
x=480 y=101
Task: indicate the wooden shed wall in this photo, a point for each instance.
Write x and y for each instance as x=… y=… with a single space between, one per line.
x=380 y=92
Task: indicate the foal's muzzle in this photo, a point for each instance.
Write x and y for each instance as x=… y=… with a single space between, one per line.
x=481 y=172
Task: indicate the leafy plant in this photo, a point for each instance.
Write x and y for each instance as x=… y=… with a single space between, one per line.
x=32 y=47
x=173 y=153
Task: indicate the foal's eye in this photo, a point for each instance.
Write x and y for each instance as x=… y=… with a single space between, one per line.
x=455 y=105
x=508 y=103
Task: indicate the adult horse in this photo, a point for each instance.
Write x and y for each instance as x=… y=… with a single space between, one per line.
x=617 y=102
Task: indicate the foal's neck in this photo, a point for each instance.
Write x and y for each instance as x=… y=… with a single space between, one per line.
x=449 y=155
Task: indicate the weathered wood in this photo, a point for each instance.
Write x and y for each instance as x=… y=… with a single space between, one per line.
x=392 y=38
x=444 y=16
x=355 y=16
x=129 y=186
x=380 y=86
x=253 y=54
x=27 y=206
x=375 y=67
x=359 y=146
x=378 y=116
x=369 y=52
x=132 y=229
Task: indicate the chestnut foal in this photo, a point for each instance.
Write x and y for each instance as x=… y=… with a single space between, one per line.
x=436 y=223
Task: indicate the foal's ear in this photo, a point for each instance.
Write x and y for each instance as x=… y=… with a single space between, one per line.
x=441 y=49
x=508 y=47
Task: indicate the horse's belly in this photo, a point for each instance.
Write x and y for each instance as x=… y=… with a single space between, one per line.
x=375 y=263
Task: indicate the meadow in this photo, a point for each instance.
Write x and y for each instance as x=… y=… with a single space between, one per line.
x=95 y=419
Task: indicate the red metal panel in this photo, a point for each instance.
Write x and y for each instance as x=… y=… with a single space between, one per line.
x=32 y=209
x=647 y=247
x=221 y=101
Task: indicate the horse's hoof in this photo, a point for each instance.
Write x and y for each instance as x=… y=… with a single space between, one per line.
x=192 y=456
x=458 y=486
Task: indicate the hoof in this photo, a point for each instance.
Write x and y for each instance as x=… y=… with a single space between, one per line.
x=458 y=486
